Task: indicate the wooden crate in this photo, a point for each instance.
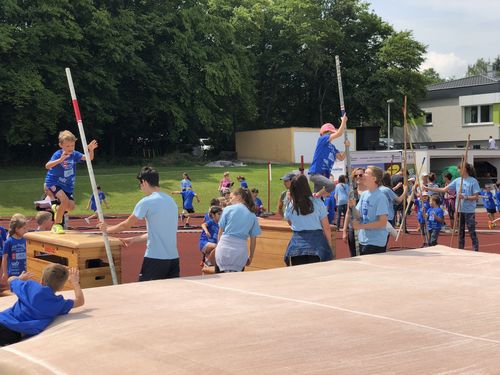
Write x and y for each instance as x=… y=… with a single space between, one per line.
x=272 y=244
x=84 y=251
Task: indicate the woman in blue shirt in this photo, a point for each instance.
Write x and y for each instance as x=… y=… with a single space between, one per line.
x=311 y=240
x=237 y=223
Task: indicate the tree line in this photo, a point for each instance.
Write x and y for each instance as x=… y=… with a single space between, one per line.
x=151 y=73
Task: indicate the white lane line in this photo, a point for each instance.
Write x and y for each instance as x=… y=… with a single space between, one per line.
x=37 y=361
x=357 y=312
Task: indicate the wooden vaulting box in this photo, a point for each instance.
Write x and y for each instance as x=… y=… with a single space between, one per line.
x=84 y=251
x=272 y=244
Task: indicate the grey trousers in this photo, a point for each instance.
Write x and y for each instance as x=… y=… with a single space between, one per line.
x=321 y=182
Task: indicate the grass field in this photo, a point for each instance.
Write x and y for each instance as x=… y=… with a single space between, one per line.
x=20 y=187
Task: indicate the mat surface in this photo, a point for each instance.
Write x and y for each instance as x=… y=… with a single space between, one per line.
x=435 y=310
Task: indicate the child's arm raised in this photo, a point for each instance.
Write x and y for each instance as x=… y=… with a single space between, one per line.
x=91 y=147
x=23 y=276
x=74 y=278
x=341 y=130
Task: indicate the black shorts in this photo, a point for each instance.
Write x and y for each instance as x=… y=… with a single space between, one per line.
x=189 y=210
x=159 y=269
x=8 y=336
x=55 y=189
x=491 y=210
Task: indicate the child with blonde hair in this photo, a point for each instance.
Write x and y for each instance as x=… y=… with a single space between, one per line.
x=60 y=179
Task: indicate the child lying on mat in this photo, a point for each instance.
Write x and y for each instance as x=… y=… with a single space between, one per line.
x=38 y=305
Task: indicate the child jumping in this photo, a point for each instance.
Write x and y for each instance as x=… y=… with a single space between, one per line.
x=37 y=304
x=435 y=220
x=92 y=205
x=187 y=204
x=14 y=249
x=60 y=179
x=324 y=158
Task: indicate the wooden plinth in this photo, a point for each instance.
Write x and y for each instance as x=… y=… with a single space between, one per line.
x=73 y=249
x=272 y=244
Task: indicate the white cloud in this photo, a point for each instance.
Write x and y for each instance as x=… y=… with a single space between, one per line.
x=446 y=64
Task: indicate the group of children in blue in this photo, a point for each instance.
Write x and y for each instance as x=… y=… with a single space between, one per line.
x=307 y=215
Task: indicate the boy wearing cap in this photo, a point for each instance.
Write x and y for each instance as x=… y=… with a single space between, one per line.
x=282 y=202
x=324 y=158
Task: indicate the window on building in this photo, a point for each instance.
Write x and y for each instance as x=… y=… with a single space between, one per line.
x=428 y=118
x=478 y=114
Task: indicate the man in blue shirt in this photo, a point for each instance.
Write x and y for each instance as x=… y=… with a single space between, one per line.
x=370 y=214
x=161 y=260
x=324 y=157
x=467 y=199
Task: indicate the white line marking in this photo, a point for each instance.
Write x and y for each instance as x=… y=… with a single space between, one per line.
x=37 y=361
x=375 y=316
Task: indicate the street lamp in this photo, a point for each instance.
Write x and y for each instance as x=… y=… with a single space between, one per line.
x=389 y=101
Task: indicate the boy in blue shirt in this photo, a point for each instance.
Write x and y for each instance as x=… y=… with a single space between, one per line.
x=61 y=175
x=37 y=304
x=93 y=206
x=435 y=220
x=324 y=157
x=243 y=182
x=422 y=204
x=489 y=203
x=187 y=204
x=330 y=207
x=259 y=206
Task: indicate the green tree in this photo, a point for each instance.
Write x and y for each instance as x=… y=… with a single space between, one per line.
x=431 y=76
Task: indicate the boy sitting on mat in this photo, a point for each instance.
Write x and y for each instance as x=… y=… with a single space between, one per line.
x=38 y=305
x=60 y=179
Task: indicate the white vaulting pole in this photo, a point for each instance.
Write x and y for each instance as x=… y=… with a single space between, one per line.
x=91 y=174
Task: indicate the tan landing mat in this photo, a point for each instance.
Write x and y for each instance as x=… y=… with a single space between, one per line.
x=434 y=310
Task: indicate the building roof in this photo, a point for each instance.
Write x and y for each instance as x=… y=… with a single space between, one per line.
x=479 y=80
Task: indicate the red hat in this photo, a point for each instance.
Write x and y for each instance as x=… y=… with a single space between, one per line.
x=327 y=128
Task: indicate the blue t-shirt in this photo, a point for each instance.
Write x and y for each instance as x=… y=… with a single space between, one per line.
x=470 y=186
x=330 y=206
x=324 y=157
x=391 y=196
x=311 y=221
x=63 y=174
x=258 y=204
x=213 y=229
x=244 y=184
x=432 y=213
x=488 y=201
x=371 y=205
x=160 y=212
x=93 y=206
x=237 y=221
x=497 y=198
x=185 y=183
x=342 y=192
x=420 y=214
x=187 y=199
x=16 y=255
x=3 y=237
x=36 y=307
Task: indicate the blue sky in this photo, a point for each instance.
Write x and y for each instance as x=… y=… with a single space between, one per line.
x=456 y=32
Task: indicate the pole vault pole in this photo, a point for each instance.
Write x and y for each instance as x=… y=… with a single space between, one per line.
x=91 y=174
x=347 y=154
